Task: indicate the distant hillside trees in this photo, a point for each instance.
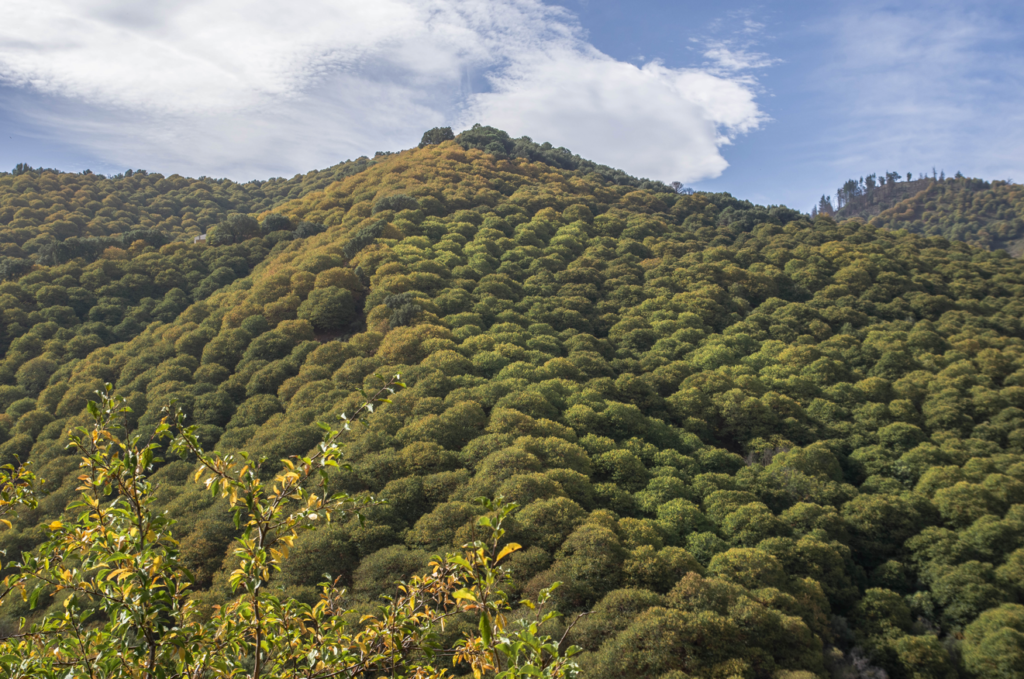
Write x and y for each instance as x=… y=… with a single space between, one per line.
x=824 y=207
x=987 y=214
x=855 y=188
x=236 y=229
x=436 y=135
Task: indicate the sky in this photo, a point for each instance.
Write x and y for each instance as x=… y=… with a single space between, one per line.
x=774 y=102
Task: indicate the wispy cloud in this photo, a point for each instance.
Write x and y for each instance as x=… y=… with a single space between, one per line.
x=256 y=88
x=751 y=27
x=726 y=58
x=733 y=44
x=933 y=84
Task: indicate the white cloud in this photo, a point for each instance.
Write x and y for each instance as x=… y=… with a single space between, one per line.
x=652 y=121
x=258 y=88
x=726 y=59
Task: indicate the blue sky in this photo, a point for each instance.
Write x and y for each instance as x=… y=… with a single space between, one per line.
x=774 y=102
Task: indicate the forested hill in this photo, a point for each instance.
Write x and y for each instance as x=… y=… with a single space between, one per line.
x=50 y=217
x=986 y=214
x=751 y=444
x=864 y=201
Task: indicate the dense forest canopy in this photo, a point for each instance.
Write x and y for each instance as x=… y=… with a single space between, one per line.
x=749 y=443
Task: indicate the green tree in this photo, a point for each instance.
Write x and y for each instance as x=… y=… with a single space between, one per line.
x=994 y=643
x=436 y=136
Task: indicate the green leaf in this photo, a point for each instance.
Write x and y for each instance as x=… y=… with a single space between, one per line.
x=485 y=628
x=33 y=598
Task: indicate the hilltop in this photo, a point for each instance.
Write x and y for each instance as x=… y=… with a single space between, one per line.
x=982 y=213
x=867 y=204
x=750 y=443
x=986 y=214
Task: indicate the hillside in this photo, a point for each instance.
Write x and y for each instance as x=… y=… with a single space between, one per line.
x=989 y=215
x=867 y=204
x=750 y=443
x=985 y=214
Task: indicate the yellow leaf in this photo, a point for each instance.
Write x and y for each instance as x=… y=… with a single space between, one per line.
x=463 y=594
x=509 y=548
x=56 y=525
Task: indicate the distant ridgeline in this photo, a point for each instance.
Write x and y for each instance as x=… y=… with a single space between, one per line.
x=751 y=443
x=986 y=214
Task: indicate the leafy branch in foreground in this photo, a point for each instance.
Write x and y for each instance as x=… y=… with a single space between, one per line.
x=17 y=489
x=125 y=607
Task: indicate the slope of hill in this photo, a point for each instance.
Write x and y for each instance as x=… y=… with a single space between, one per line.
x=867 y=204
x=39 y=208
x=750 y=443
x=989 y=215
x=985 y=214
